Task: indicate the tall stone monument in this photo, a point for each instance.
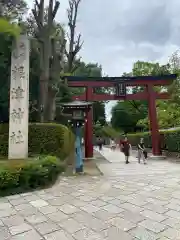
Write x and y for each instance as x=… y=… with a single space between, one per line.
x=19 y=99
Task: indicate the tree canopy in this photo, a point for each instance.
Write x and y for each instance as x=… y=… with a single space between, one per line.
x=133 y=115
x=52 y=55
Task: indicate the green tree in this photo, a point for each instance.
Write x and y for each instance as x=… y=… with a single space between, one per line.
x=174 y=68
x=9 y=28
x=168 y=115
x=5 y=65
x=93 y=70
x=9 y=13
x=58 y=61
x=138 y=110
x=45 y=30
x=125 y=116
x=167 y=111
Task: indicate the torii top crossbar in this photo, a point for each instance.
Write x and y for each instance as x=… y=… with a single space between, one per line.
x=93 y=82
x=82 y=81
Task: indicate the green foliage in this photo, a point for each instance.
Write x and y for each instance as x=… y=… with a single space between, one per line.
x=88 y=70
x=168 y=114
x=174 y=67
x=5 y=65
x=14 y=10
x=110 y=132
x=99 y=113
x=30 y=174
x=92 y=70
x=44 y=139
x=129 y=115
x=141 y=68
x=15 y=13
x=10 y=28
x=135 y=137
x=171 y=139
x=125 y=116
x=105 y=131
x=168 y=111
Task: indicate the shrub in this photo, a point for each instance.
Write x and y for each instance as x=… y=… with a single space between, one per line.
x=110 y=132
x=134 y=139
x=170 y=142
x=44 y=139
x=20 y=177
x=106 y=131
x=69 y=141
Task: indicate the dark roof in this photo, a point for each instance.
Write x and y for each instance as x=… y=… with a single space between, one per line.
x=116 y=79
x=77 y=104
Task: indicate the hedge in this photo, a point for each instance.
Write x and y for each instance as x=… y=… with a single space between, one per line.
x=17 y=177
x=170 y=139
x=135 y=137
x=44 y=139
x=105 y=131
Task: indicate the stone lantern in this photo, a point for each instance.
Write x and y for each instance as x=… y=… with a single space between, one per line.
x=76 y=112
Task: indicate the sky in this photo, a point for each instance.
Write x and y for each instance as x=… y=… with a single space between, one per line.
x=118 y=33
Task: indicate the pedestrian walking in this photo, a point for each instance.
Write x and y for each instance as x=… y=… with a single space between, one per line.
x=113 y=144
x=125 y=148
x=142 y=152
x=100 y=143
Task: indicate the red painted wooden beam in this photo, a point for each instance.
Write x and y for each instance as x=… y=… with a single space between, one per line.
x=111 y=84
x=106 y=97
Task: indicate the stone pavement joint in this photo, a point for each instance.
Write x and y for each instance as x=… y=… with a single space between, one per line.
x=128 y=202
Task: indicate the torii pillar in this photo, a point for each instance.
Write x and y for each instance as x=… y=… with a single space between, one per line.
x=155 y=135
x=89 y=126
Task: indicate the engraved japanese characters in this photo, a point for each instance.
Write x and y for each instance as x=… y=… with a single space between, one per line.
x=17 y=115
x=19 y=100
x=17 y=137
x=17 y=93
x=18 y=72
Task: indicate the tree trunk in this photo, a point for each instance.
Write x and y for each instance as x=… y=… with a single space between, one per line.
x=51 y=111
x=44 y=80
x=42 y=96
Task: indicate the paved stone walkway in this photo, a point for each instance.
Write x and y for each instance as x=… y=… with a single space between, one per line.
x=129 y=202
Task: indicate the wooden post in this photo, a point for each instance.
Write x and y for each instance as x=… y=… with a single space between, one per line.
x=89 y=126
x=155 y=136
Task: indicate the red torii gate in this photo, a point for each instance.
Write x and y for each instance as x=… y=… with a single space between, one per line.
x=120 y=83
